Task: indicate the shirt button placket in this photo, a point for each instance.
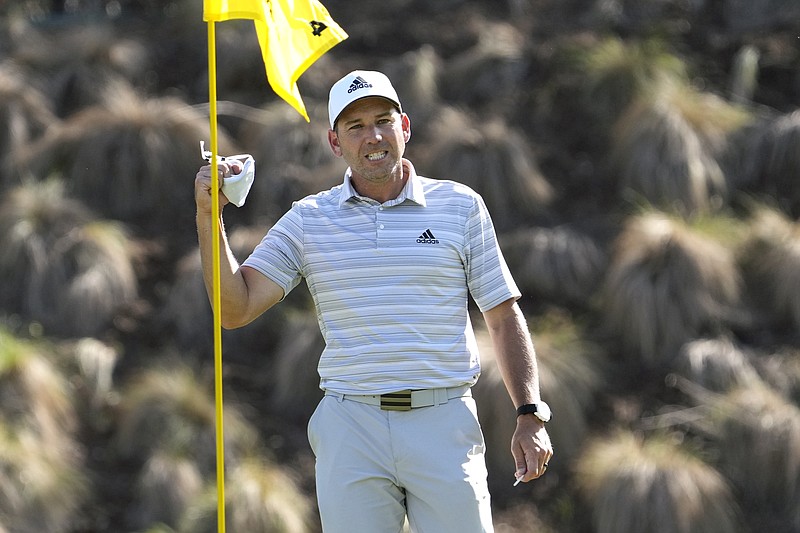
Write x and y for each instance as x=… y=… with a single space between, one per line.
x=379 y=224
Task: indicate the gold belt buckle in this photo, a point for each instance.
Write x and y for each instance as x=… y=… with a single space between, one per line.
x=396 y=401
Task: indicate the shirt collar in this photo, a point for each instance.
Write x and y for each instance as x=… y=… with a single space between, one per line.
x=412 y=190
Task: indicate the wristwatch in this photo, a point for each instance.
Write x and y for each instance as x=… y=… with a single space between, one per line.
x=540 y=410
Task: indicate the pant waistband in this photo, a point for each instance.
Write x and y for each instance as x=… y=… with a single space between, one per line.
x=405 y=400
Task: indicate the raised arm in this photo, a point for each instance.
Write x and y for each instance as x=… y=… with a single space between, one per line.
x=244 y=292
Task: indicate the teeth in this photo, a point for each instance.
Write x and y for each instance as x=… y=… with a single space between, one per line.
x=375 y=156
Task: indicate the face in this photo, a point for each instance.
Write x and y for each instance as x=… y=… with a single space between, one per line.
x=371 y=136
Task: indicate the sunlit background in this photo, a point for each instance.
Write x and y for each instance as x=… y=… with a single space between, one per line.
x=641 y=160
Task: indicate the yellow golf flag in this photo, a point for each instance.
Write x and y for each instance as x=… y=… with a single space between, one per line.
x=292 y=34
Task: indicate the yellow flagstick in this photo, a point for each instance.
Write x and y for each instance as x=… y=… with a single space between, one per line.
x=216 y=297
x=299 y=45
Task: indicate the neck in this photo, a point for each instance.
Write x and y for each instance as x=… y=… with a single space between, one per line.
x=382 y=190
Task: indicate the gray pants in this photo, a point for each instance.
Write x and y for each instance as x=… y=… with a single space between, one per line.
x=374 y=467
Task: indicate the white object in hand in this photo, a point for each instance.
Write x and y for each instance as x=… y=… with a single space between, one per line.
x=236 y=187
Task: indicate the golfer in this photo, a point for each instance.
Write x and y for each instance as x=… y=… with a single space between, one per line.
x=390 y=258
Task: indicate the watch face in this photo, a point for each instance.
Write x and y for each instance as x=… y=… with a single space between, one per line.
x=543 y=412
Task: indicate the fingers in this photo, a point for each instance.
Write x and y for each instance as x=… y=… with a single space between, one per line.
x=532 y=456
x=535 y=464
x=203 y=183
x=225 y=169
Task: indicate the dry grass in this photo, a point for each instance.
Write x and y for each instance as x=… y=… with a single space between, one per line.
x=775 y=160
x=520 y=518
x=293 y=157
x=34 y=396
x=42 y=486
x=492 y=158
x=63 y=261
x=634 y=485
x=667 y=284
x=781 y=370
x=770 y=259
x=187 y=314
x=570 y=374
x=759 y=447
x=130 y=158
x=618 y=72
x=560 y=264
x=39 y=491
x=168 y=484
x=73 y=65
x=90 y=365
x=260 y=496
x=717 y=364
x=667 y=146
x=33 y=218
x=489 y=74
x=292 y=378
x=25 y=113
x=187 y=310
x=168 y=408
x=415 y=76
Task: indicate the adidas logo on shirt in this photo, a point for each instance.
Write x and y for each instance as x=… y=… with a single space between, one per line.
x=427 y=238
x=359 y=83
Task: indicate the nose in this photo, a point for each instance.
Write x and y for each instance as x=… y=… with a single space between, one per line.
x=374 y=134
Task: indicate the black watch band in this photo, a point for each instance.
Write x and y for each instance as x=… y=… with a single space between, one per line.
x=527 y=409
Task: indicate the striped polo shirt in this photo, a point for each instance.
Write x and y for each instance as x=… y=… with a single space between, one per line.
x=390 y=281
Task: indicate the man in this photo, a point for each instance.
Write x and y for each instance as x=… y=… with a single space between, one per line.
x=390 y=258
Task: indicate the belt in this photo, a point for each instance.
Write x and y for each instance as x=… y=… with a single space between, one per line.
x=405 y=400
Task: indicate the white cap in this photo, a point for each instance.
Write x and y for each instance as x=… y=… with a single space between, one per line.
x=356 y=85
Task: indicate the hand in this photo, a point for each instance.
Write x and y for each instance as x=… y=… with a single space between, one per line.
x=202 y=183
x=531 y=448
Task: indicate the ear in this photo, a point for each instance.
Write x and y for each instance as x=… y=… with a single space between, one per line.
x=406 y=125
x=333 y=142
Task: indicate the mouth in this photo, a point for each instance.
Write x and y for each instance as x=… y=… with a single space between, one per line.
x=377 y=156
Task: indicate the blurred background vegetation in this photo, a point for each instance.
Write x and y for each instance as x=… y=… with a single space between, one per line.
x=641 y=160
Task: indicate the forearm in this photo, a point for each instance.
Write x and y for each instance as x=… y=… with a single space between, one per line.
x=233 y=289
x=514 y=353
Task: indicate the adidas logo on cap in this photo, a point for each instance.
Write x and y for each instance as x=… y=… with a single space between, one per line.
x=427 y=238
x=359 y=83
